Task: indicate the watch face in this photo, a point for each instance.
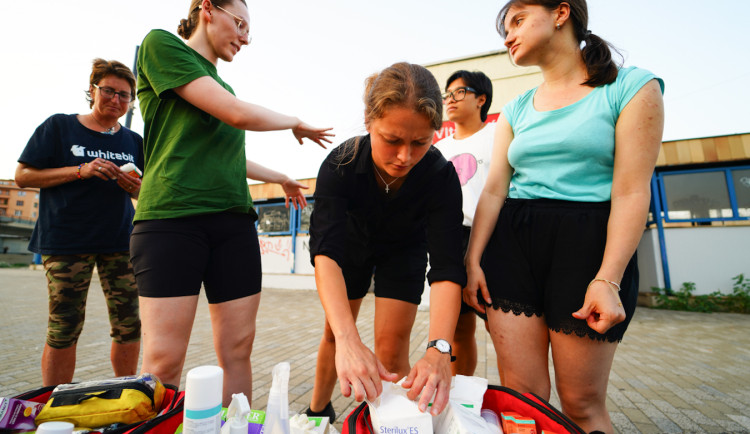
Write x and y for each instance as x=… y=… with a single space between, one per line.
x=443 y=346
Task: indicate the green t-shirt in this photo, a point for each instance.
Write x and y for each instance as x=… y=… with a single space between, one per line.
x=194 y=163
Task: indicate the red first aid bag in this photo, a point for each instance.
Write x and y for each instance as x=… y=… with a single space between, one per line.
x=498 y=399
x=165 y=422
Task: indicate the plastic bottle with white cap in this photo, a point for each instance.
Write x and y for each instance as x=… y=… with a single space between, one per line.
x=203 y=390
x=55 y=428
x=237 y=414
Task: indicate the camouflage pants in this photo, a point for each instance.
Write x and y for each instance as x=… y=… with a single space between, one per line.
x=68 y=280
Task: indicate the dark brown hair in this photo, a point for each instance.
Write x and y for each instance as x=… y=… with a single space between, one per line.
x=186 y=26
x=404 y=85
x=597 y=53
x=104 y=68
x=400 y=85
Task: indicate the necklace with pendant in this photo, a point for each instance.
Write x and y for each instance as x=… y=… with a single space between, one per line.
x=387 y=184
x=110 y=130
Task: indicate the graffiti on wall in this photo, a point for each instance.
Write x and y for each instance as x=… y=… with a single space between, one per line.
x=280 y=246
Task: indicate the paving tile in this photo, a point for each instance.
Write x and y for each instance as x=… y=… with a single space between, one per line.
x=646 y=429
x=665 y=424
x=731 y=426
x=742 y=420
x=673 y=372
x=621 y=422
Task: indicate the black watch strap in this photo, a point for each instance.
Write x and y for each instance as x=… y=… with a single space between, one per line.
x=437 y=343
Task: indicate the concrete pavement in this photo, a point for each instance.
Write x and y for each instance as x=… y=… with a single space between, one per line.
x=674 y=372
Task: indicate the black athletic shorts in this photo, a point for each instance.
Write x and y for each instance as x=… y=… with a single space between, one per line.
x=541 y=257
x=173 y=257
x=465 y=308
x=399 y=275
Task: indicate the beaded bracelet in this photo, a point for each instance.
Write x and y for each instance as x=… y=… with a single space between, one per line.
x=612 y=284
x=78 y=172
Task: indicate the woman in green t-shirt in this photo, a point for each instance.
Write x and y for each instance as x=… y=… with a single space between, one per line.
x=194 y=224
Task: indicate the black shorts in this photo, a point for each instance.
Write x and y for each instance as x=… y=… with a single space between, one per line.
x=399 y=275
x=172 y=257
x=541 y=257
x=465 y=308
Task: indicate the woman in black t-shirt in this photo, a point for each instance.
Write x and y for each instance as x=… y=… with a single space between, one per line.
x=382 y=202
x=85 y=219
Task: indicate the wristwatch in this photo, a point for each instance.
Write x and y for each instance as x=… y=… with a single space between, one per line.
x=443 y=346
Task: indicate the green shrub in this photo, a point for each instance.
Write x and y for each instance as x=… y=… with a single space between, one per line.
x=739 y=299
x=9 y=265
x=683 y=299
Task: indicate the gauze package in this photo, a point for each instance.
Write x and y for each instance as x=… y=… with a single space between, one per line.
x=302 y=424
x=457 y=419
x=468 y=392
x=393 y=413
x=17 y=414
x=462 y=415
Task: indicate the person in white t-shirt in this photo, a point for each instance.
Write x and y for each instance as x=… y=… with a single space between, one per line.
x=467 y=100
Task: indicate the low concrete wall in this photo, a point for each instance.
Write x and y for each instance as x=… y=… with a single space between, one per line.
x=649 y=262
x=277 y=255
x=278 y=259
x=706 y=256
x=289 y=281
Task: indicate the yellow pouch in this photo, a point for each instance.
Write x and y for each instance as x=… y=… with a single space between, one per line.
x=101 y=403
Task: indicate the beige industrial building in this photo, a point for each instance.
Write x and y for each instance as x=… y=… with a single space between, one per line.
x=18 y=203
x=19 y=209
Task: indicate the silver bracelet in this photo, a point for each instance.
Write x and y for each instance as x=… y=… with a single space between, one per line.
x=612 y=284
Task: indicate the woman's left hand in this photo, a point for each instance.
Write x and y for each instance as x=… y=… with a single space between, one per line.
x=602 y=308
x=317 y=135
x=293 y=192
x=131 y=184
x=431 y=375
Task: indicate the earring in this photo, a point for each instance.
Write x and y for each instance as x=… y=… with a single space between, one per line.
x=557 y=25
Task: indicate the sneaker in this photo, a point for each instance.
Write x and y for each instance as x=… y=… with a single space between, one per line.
x=327 y=411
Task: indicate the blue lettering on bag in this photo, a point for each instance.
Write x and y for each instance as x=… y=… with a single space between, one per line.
x=409 y=430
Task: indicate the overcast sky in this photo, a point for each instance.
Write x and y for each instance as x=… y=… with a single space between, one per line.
x=309 y=58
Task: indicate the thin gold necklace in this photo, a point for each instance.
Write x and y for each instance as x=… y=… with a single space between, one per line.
x=110 y=130
x=387 y=184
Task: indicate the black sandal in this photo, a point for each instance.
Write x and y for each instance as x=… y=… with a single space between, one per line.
x=327 y=411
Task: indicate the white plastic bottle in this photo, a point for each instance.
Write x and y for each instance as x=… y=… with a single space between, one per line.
x=203 y=390
x=493 y=422
x=277 y=409
x=237 y=414
x=55 y=428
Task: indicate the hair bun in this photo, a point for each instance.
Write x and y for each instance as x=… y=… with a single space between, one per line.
x=183 y=28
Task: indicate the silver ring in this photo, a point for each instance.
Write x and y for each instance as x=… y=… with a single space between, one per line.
x=99 y=168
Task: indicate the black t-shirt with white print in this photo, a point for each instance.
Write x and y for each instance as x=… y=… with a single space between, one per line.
x=87 y=215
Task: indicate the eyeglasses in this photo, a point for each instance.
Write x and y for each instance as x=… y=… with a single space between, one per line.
x=458 y=94
x=110 y=93
x=243 y=28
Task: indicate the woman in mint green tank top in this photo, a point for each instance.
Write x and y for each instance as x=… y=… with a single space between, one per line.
x=555 y=258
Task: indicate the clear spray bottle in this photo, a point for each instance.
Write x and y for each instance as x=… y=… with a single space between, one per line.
x=277 y=409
